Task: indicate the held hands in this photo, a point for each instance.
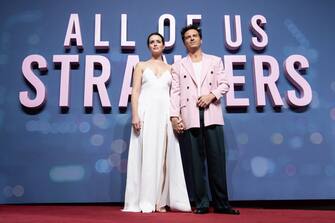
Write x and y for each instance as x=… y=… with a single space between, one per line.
x=136 y=124
x=205 y=100
x=177 y=124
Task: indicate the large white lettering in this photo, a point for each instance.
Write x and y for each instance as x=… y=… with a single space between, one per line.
x=265 y=76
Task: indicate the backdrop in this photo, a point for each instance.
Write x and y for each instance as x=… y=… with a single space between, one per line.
x=75 y=154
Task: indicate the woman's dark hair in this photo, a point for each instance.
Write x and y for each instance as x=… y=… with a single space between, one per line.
x=187 y=28
x=155 y=34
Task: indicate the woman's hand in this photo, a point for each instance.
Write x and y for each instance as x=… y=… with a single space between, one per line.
x=136 y=122
x=177 y=124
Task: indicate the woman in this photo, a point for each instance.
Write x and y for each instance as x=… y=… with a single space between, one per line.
x=155 y=177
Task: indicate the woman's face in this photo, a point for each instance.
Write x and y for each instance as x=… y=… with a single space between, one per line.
x=156 y=44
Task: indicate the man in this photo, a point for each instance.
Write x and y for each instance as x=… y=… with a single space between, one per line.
x=198 y=83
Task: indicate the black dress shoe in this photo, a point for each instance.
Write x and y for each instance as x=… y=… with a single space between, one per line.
x=200 y=211
x=226 y=211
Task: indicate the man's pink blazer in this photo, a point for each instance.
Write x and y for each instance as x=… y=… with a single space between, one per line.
x=184 y=93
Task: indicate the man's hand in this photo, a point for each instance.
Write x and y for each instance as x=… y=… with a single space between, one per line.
x=205 y=100
x=177 y=124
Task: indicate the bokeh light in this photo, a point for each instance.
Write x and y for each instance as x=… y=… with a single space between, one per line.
x=296 y=142
x=290 y=170
x=114 y=159
x=277 y=138
x=67 y=173
x=18 y=191
x=332 y=86
x=84 y=127
x=242 y=138
x=316 y=101
x=332 y=114
x=7 y=191
x=261 y=166
x=316 y=138
x=100 y=121
x=97 y=140
x=102 y=166
x=119 y=146
x=122 y=168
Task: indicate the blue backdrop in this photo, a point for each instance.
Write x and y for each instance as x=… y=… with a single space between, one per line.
x=80 y=156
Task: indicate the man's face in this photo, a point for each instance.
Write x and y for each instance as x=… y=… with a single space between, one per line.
x=192 y=40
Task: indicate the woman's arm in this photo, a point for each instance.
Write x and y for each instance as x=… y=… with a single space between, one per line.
x=135 y=93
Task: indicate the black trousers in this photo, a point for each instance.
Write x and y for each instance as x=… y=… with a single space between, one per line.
x=207 y=142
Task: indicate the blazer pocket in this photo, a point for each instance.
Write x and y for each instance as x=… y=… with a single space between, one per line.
x=182 y=103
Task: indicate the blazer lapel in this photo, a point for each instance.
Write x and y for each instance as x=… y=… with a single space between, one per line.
x=187 y=63
x=204 y=69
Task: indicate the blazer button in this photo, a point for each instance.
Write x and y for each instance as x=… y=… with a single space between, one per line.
x=212 y=72
x=210 y=83
x=188 y=87
x=184 y=76
x=186 y=99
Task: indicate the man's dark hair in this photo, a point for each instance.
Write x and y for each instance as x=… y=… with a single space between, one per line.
x=187 y=28
x=155 y=34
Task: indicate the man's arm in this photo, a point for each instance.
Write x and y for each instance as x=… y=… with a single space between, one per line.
x=223 y=87
x=175 y=92
x=177 y=123
x=222 y=81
